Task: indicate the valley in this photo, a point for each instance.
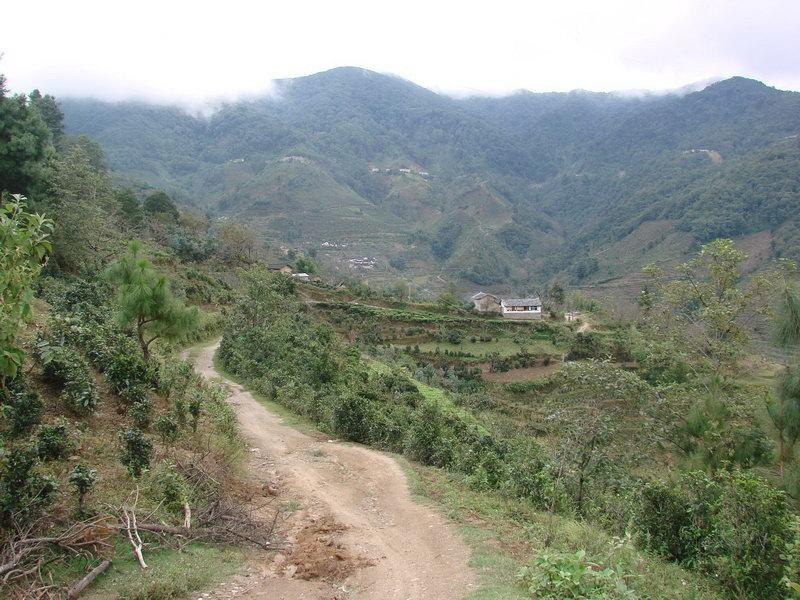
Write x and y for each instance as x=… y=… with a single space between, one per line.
x=496 y=192
x=241 y=353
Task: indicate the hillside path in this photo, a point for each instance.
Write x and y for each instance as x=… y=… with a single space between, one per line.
x=397 y=549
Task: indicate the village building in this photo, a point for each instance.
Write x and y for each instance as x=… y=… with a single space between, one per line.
x=510 y=308
x=521 y=308
x=484 y=302
x=301 y=276
x=281 y=268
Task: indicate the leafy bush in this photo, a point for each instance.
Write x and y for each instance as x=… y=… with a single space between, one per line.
x=126 y=370
x=141 y=412
x=175 y=377
x=736 y=528
x=53 y=441
x=430 y=439
x=24 y=407
x=352 y=418
x=588 y=345
x=24 y=492
x=83 y=479
x=169 y=487
x=137 y=451
x=167 y=427
x=134 y=394
x=570 y=576
x=195 y=406
x=67 y=369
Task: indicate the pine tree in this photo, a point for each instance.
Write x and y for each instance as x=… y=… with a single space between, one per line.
x=784 y=408
x=145 y=300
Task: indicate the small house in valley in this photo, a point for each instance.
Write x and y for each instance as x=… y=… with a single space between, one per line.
x=521 y=308
x=510 y=308
x=484 y=302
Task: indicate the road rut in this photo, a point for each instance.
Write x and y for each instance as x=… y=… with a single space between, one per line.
x=406 y=551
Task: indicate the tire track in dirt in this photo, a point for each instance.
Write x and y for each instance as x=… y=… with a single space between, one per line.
x=359 y=534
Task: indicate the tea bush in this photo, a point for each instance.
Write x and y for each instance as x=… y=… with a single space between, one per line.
x=53 y=441
x=24 y=491
x=67 y=369
x=736 y=528
x=136 y=450
x=23 y=409
x=561 y=576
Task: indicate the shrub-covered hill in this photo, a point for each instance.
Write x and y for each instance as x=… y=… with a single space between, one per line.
x=490 y=189
x=111 y=448
x=636 y=433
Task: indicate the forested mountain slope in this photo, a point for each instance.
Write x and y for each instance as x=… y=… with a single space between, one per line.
x=497 y=191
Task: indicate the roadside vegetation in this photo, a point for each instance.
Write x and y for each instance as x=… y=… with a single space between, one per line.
x=118 y=464
x=645 y=434
x=632 y=459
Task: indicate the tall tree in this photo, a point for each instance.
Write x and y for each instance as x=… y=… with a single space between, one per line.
x=25 y=145
x=238 y=242
x=144 y=299
x=80 y=199
x=24 y=244
x=784 y=408
x=706 y=305
x=160 y=204
x=51 y=114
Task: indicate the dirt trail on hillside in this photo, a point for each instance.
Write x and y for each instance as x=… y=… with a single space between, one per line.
x=357 y=534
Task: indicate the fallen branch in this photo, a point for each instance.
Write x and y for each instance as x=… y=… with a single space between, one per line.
x=187 y=515
x=132 y=530
x=81 y=585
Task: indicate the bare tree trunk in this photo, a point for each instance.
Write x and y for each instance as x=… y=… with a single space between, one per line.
x=81 y=585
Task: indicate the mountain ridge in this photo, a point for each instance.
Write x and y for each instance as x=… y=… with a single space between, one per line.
x=576 y=171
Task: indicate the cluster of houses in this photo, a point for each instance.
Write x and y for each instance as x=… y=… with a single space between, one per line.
x=510 y=308
x=363 y=263
x=401 y=171
x=287 y=270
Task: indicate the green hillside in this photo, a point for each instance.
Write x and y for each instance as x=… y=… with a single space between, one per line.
x=492 y=191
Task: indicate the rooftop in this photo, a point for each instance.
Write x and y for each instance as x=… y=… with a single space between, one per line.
x=521 y=302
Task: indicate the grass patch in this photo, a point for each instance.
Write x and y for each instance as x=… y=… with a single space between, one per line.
x=171 y=573
x=505 y=534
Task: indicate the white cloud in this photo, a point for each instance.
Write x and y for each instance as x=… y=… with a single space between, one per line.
x=194 y=51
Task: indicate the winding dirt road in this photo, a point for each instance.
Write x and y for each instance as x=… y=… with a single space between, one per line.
x=355 y=507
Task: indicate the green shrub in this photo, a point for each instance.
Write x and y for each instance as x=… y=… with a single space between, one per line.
x=664 y=518
x=430 y=439
x=353 y=416
x=588 y=345
x=24 y=492
x=570 y=576
x=126 y=370
x=752 y=528
x=83 y=479
x=527 y=472
x=134 y=394
x=136 y=452
x=67 y=369
x=167 y=428
x=175 y=377
x=53 y=441
x=195 y=406
x=169 y=487
x=23 y=410
x=735 y=528
x=141 y=412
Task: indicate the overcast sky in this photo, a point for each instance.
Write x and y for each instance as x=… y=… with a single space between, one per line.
x=191 y=52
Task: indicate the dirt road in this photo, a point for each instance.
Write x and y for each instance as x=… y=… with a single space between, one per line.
x=357 y=533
